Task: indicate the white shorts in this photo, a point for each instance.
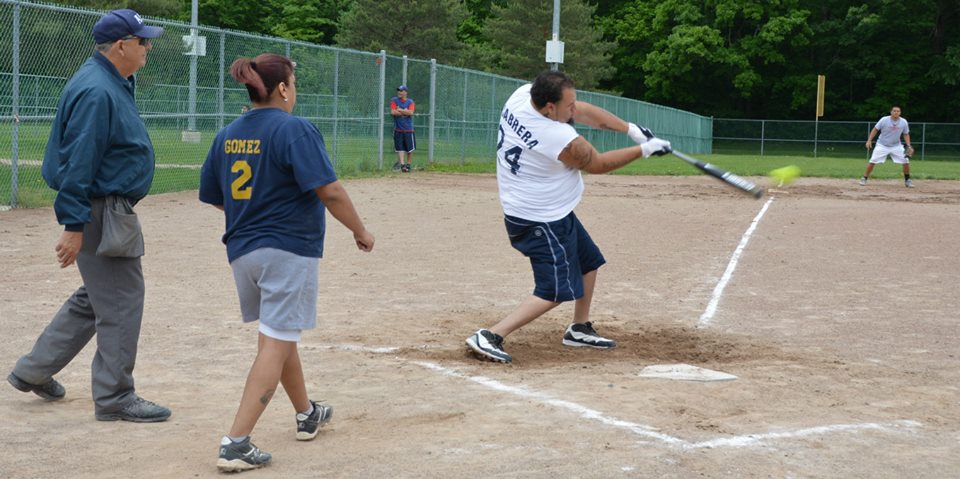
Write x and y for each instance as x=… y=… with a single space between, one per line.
x=289 y=335
x=880 y=153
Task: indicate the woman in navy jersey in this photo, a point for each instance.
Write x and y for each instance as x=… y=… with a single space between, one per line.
x=270 y=174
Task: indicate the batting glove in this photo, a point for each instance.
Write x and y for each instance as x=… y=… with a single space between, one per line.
x=656 y=147
x=639 y=134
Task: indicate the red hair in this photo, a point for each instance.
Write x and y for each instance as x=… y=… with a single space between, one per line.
x=262 y=74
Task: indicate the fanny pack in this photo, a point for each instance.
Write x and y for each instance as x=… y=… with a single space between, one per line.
x=121 y=236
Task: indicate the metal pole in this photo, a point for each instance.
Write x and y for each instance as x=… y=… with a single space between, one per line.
x=493 y=108
x=383 y=85
x=433 y=108
x=15 y=92
x=763 y=126
x=403 y=81
x=463 y=129
x=816 y=131
x=192 y=118
x=923 y=142
x=556 y=28
x=336 y=98
x=220 y=106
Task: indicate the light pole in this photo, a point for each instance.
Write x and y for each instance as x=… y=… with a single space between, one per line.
x=554 y=45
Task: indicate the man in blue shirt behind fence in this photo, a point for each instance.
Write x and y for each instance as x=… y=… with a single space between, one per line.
x=404 y=139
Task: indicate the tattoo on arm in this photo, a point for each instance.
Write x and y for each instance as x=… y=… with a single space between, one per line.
x=579 y=154
x=582 y=152
x=265 y=399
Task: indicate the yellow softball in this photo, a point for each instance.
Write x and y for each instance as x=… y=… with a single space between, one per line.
x=786 y=175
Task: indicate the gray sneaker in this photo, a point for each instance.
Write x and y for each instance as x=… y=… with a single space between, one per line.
x=50 y=390
x=240 y=456
x=863 y=181
x=309 y=426
x=908 y=183
x=140 y=410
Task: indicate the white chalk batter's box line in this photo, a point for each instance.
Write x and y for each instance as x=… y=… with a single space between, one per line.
x=642 y=430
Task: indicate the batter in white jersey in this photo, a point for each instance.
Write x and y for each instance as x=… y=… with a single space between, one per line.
x=539 y=159
x=890 y=128
x=534 y=183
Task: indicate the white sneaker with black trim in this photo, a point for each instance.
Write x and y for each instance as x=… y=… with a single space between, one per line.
x=488 y=345
x=583 y=335
x=863 y=181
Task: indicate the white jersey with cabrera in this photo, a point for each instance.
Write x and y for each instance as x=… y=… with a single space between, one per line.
x=534 y=184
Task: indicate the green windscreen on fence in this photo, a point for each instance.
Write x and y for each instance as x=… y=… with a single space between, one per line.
x=185 y=95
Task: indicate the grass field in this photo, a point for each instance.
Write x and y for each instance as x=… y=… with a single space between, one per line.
x=358 y=156
x=755 y=165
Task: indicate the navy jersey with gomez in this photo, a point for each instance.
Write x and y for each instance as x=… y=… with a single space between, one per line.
x=263 y=168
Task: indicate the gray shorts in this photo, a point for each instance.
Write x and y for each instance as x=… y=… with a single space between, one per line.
x=277 y=287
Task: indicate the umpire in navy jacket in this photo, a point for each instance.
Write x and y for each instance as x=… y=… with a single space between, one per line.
x=100 y=160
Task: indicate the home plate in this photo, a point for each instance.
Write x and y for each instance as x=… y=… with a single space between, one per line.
x=684 y=372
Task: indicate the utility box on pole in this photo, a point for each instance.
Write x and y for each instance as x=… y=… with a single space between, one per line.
x=554 y=52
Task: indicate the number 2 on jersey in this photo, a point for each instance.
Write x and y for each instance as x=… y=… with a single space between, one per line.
x=512 y=155
x=240 y=188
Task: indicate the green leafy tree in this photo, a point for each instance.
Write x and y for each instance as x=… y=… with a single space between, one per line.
x=244 y=16
x=746 y=58
x=884 y=53
x=471 y=29
x=515 y=41
x=152 y=8
x=419 y=29
x=312 y=21
x=714 y=59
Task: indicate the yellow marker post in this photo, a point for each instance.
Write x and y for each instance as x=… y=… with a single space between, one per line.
x=821 y=86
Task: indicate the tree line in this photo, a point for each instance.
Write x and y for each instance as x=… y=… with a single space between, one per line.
x=723 y=58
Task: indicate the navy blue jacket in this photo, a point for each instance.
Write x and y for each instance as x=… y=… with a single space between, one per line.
x=98 y=145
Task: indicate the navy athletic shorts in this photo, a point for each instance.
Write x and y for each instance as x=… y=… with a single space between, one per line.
x=404 y=141
x=560 y=253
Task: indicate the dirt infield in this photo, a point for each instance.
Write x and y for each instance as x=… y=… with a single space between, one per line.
x=840 y=320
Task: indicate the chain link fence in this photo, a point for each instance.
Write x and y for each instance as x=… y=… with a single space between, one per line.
x=185 y=94
x=932 y=141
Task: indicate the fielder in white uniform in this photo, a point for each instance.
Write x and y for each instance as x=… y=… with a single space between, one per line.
x=890 y=128
x=539 y=160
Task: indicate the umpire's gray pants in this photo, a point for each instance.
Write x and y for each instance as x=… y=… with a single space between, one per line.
x=110 y=304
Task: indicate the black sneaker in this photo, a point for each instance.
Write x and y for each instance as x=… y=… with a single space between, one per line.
x=489 y=345
x=583 y=335
x=140 y=410
x=406 y=168
x=240 y=456
x=50 y=390
x=397 y=166
x=309 y=426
